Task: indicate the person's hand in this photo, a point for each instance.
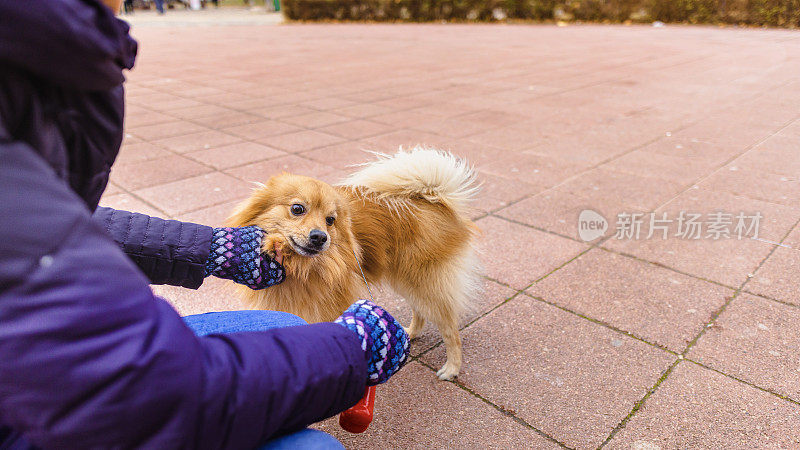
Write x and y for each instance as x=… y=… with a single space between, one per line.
x=383 y=339
x=236 y=255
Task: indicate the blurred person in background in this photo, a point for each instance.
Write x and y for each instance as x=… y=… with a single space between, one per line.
x=91 y=358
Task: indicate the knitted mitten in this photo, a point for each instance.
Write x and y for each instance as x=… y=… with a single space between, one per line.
x=383 y=340
x=236 y=255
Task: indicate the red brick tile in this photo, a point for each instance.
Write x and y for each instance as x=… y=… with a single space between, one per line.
x=699 y=408
x=497 y=192
x=128 y=202
x=213 y=216
x=260 y=130
x=603 y=185
x=195 y=193
x=301 y=141
x=317 y=119
x=165 y=130
x=281 y=111
x=534 y=169
x=653 y=303
x=675 y=169
x=390 y=142
x=568 y=377
x=261 y=171
x=228 y=120
x=197 y=141
x=341 y=156
x=196 y=112
x=746 y=181
x=155 y=171
x=234 y=154
x=518 y=255
x=139 y=151
x=400 y=425
x=558 y=211
x=755 y=340
x=779 y=277
x=325 y=104
x=363 y=110
x=357 y=129
x=133 y=121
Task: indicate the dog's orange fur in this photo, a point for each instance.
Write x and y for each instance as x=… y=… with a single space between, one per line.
x=421 y=249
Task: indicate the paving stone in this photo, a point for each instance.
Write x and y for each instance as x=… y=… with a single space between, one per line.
x=559 y=211
x=741 y=179
x=728 y=261
x=662 y=307
x=195 y=193
x=235 y=154
x=403 y=408
x=139 y=151
x=316 y=119
x=157 y=171
x=165 y=130
x=128 y=202
x=755 y=340
x=572 y=379
x=197 y=141
x=779 y=277
x=301 y=141
x=518 y=255
x=342 y=156
x=260 y=172
x=261 y=130
x=699 y=408
x=357 y=129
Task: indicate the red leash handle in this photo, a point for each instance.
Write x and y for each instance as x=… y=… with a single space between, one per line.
x=358 y=418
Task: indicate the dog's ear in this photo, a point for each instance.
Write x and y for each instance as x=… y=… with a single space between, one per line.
x=247 y=211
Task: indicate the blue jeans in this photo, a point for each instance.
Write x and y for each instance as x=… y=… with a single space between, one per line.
x=233 y=321
x=160 y=6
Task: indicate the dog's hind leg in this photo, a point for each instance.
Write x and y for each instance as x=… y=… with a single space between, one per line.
x=417 y=322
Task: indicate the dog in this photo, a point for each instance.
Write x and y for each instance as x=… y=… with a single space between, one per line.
x=402 y=219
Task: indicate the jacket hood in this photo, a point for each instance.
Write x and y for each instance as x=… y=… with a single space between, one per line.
x=71 y=43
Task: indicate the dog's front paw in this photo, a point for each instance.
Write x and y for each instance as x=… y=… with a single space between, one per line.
x=273 y=245
x=448 y=372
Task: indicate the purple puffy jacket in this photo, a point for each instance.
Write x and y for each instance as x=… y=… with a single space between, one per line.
x=91 y=359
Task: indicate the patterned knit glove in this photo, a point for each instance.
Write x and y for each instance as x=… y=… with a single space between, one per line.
x=236 y=255
x=384 y=341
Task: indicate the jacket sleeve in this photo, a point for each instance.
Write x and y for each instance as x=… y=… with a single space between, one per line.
x=92 y=359
x=167 y=251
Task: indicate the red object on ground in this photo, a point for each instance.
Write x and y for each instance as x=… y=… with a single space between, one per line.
x=358 y=418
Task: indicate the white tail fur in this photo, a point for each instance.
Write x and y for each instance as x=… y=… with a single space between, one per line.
x=436 y=175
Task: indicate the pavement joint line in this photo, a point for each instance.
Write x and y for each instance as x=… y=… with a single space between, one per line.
x=768 y=391
x=599 y=245
x=732 y=159
x=602 y=323
x=714 y=316
x=640 y=403
x=504 y=411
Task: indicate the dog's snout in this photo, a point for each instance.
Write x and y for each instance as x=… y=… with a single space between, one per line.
x=317 y=237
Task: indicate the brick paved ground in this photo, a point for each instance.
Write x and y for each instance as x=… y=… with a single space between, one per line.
x=629 y=344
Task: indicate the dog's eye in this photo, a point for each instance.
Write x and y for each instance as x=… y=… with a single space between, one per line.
x=330 y=220
x=297 y=209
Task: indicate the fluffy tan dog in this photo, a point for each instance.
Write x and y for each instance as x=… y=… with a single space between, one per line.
x=403 y=217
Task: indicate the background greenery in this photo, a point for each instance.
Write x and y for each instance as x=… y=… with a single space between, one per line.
x=782 y=13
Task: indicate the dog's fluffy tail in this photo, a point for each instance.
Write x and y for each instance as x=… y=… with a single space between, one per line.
x=435 y=175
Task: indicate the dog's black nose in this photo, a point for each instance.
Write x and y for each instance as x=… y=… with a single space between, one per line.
x=317 y=237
